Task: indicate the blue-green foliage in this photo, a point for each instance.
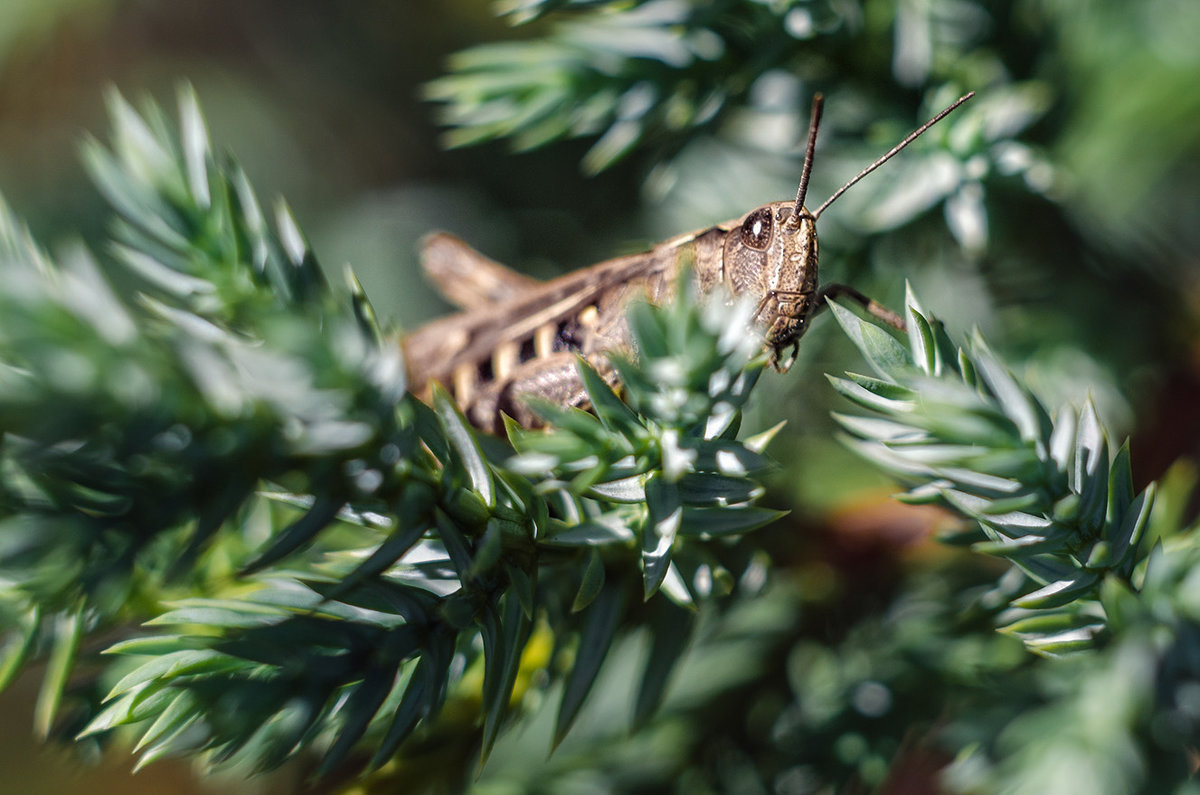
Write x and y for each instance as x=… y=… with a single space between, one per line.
x=232 y=455
x=958 y=425
x=327 y=564
x=1046 y=495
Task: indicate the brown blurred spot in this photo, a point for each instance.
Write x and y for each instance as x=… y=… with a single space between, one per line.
x=878 y=522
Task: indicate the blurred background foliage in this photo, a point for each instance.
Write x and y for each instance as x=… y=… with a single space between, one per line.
x=1056 y=212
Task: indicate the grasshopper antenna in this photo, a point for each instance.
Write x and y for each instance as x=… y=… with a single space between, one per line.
x=813 y=124
x=886 y=157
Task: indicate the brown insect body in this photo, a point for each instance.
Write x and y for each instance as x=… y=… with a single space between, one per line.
x=525 y=341
x=518 y=336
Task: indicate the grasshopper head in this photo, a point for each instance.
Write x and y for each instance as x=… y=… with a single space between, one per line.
x=772 y=257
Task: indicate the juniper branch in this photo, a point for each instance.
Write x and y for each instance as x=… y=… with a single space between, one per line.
x=139 y=438
x=627 y=75
x=957 y=425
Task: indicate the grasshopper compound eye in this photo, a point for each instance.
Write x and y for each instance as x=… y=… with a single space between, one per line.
x=756 y=230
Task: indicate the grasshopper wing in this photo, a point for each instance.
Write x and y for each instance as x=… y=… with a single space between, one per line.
x=467 y=278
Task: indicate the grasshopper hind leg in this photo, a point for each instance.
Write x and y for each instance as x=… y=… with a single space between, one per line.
x=553 y=378
x=870 y=305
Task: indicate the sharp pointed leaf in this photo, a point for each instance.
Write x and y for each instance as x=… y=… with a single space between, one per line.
x=664 y=514
x=466 y=447
x=358 y=711
x=729 y=521
x=599 y=629
x=669 y=635
x=610 y=409
x=19 y=646
x=68 y=629
x=881 y=350
x=301 y=532
x=592 y=582
x=416 y=702
x=384 y=556
x=500 y=674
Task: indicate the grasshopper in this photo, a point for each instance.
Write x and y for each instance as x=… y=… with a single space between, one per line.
x=518 y=336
